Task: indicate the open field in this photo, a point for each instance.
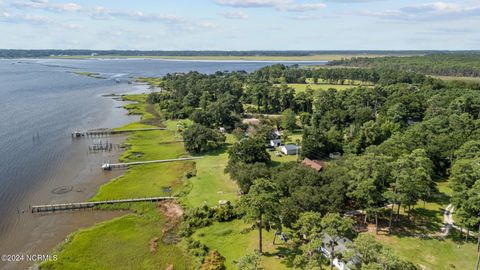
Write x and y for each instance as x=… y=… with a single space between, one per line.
x=299 y=87
x=463 y=79
x=433 y=254
x=211 y=184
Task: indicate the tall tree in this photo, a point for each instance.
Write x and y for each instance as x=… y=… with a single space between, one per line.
x=198 y=139
x=369 y=180
x=289 y=120
x=411 y=180
x=250 y=150
x=465 y=182
x=260 y=205
x=308 y=226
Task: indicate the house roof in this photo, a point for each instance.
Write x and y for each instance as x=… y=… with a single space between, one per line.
x=251 y=121
x=341 y=244
x=291 y=147
x=317 y=165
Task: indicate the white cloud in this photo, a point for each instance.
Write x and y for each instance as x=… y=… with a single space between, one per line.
x=234 y=15
x=45 y=5
x=207 y=25
x=106 y=13
x=433 y=7
x=306 y=7
x=305 y=17
x=95 y=12
x=428 y=11
x=36 y=20
x=24 y=18
x=280 y=5
x=252 y=3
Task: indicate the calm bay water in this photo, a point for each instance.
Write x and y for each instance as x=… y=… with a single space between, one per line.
x=41 y=103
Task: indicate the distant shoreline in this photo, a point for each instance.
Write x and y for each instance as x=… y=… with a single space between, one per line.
x=259 y=58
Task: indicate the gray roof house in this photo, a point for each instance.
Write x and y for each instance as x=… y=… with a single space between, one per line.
x=290 y=149
x=340 y=246
x=275 y=143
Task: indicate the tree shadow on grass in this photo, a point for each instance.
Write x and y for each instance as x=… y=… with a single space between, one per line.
x=422 y=223
x=459 y=238
x=286 y=254
x=440 y=198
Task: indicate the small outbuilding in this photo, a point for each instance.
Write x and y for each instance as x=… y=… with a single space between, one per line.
x=317 y=165
x=290 y=149
x=251 y=121
x=275 y=143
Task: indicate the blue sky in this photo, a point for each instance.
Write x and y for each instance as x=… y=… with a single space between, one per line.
x=240 y=24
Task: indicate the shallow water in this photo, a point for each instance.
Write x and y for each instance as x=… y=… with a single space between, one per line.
x=42 y=101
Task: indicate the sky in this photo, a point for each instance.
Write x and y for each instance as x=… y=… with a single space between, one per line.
x=240 y=24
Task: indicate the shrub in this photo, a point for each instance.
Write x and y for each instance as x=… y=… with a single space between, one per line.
x=213 y=261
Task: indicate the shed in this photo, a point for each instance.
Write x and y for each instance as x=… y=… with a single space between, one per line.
x=275 y=143
x=290 y=149
x=317 y=165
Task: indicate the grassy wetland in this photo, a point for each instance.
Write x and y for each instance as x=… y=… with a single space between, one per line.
x=124 y=242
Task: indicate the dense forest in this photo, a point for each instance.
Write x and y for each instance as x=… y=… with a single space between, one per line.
x=443 y=64
x=397 y=139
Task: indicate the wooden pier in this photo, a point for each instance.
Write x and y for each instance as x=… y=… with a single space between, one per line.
x=110 y=166
x=85 y=205
x=103 y=146
x=108 y=131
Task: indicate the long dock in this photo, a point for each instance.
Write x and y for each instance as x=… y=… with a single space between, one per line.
x=108 y=131
x=84 y=205
x=110 y=166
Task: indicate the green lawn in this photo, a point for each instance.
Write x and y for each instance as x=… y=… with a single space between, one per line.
x=121 y=243
x=233 y=243
x=433 y=254
x=211 y=184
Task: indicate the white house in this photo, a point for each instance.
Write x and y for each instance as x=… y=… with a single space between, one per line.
x=290 y=149
x=275 y=143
